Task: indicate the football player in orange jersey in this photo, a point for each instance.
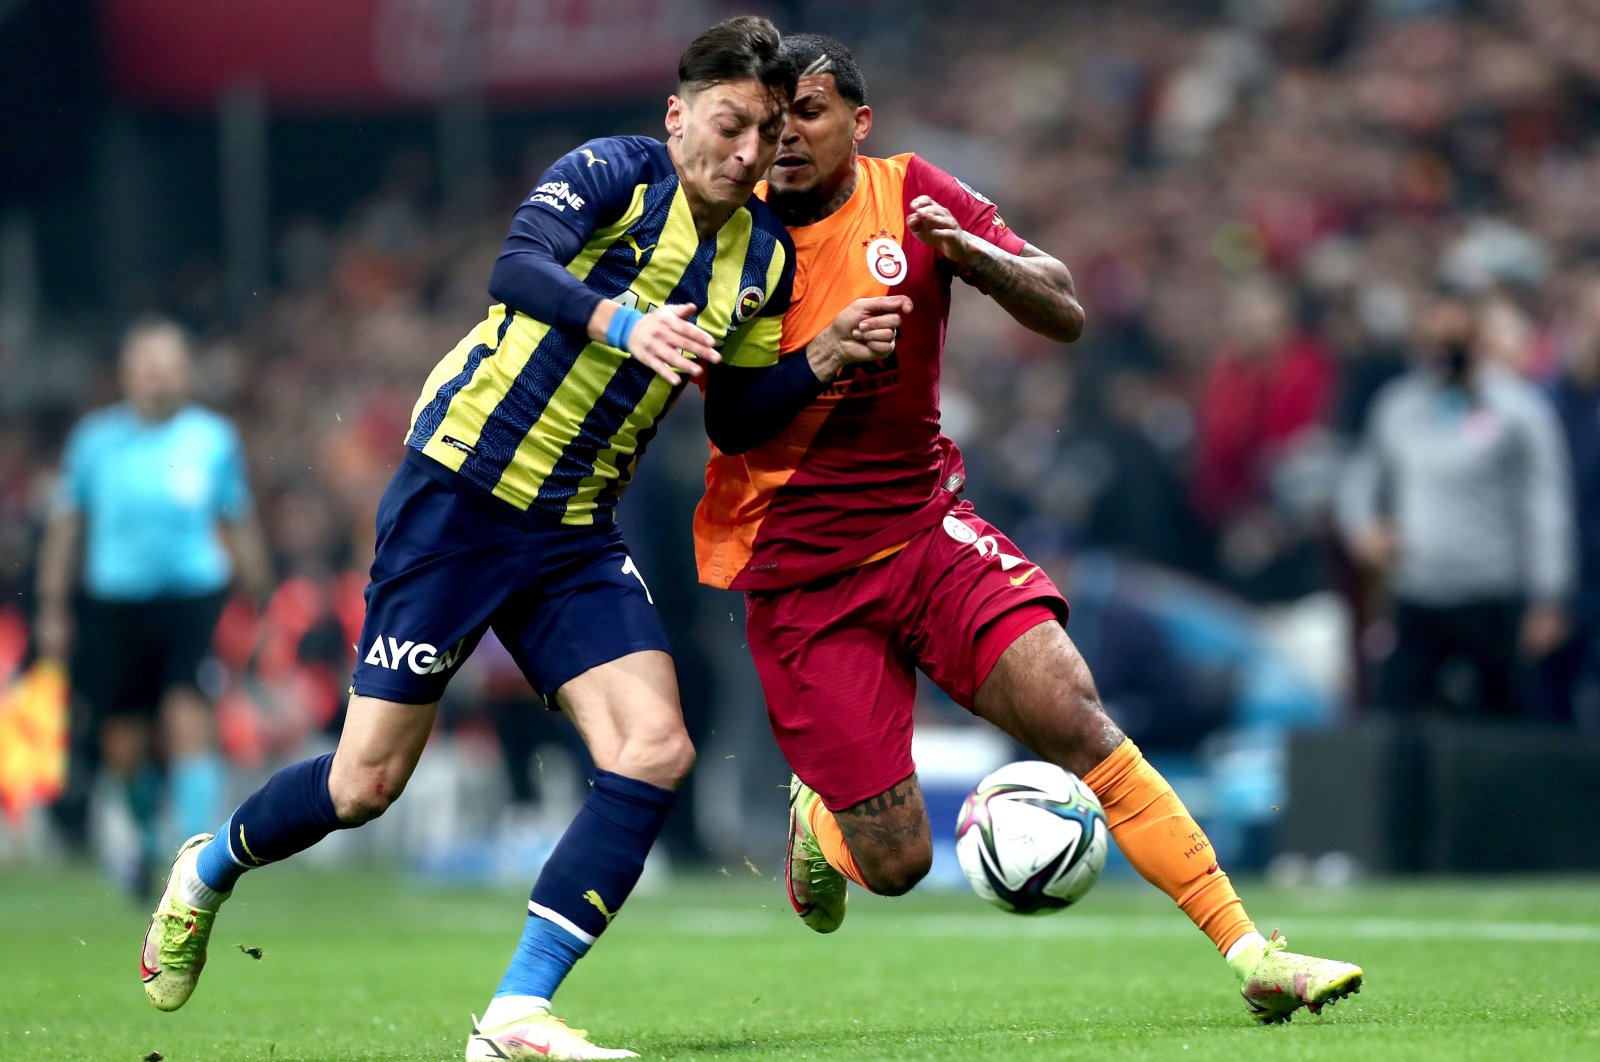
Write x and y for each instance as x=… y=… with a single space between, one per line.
x=833 y=501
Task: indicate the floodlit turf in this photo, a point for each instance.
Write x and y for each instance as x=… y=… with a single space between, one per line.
x=371 y=967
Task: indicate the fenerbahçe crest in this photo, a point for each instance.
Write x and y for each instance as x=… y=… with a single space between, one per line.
x=751 y=300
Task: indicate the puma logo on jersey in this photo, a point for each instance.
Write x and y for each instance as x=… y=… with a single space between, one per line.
x=586 y=153
x=420 y=657
x=638 y=252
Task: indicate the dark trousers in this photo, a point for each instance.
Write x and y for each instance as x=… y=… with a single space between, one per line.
x=1482 y=634
x=1568 y=687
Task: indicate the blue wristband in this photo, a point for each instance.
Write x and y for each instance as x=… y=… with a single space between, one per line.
x=621 y=327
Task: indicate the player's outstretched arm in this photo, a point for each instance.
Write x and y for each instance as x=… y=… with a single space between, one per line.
x=746 y=406
x=1033 y=287
x=664 y=340
x=864 y=331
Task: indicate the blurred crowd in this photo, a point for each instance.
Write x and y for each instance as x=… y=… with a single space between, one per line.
x=1260 y=201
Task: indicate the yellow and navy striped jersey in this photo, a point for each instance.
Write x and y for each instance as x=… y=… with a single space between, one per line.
x=528 y=407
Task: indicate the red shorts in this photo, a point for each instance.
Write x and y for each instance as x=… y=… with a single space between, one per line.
x=838 y=657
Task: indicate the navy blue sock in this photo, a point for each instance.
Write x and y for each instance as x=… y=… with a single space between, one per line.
x=289 y=814
x=585 y=881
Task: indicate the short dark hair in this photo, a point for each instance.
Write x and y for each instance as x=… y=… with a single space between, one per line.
x=739 y=49
x=814 y=53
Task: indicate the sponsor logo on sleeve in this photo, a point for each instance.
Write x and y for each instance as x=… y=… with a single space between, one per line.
x=557 y=195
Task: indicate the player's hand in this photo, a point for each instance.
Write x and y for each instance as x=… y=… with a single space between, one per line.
x=865 y=330
x=935 y=226
x=1376 y=546
x=1544 y=630
x=666 y=341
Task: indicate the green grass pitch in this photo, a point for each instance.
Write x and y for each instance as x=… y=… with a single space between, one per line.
x=371 y=966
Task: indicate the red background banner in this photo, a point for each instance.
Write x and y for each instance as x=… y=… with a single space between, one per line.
x=325 y=54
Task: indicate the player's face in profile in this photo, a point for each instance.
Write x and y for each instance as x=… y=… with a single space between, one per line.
x=814 y=153
x=727 y=135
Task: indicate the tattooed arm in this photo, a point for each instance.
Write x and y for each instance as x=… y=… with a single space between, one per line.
x=1032 y=287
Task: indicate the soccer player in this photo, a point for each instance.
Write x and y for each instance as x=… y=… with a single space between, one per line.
x=861 y=562
x=631 y=263
x=154 y=492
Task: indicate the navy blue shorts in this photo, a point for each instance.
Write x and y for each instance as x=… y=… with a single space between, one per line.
x=450 y=564
x=128 y=654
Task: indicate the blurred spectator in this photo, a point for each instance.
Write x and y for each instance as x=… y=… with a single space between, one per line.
x=1461 y=497
x=154 y=490
x=1574 y=674
x=1268 y=387
x=1142 y=510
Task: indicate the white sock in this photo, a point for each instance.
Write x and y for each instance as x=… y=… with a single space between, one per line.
x=503 y=1010
x=1249 y=940
x=196 y=893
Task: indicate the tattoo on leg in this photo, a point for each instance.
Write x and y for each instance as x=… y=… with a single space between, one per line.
x=891 y=834
x=883 y=802
x=893 y=819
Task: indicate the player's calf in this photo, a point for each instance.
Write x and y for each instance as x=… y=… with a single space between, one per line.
x=889 y=837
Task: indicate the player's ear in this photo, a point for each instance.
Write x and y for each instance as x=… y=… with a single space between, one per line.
x=675 y=109
x=863 y=123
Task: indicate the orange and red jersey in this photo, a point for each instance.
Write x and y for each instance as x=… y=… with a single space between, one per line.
x=865 y=465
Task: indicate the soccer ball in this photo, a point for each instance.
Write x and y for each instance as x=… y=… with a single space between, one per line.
x=1031 y=838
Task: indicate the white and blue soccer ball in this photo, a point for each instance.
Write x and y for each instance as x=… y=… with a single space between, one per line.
x=1032 y=838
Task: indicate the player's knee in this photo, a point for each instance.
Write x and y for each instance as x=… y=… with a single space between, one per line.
x=896 y=871
x=662 y=759
x=363 y=797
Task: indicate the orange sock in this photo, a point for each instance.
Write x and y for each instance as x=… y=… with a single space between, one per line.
x=1164 y=844
x=831 y=840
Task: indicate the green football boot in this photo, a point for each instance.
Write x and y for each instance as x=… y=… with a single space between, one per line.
x=816 y=890
x=1277 y=982
x=174 y=949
